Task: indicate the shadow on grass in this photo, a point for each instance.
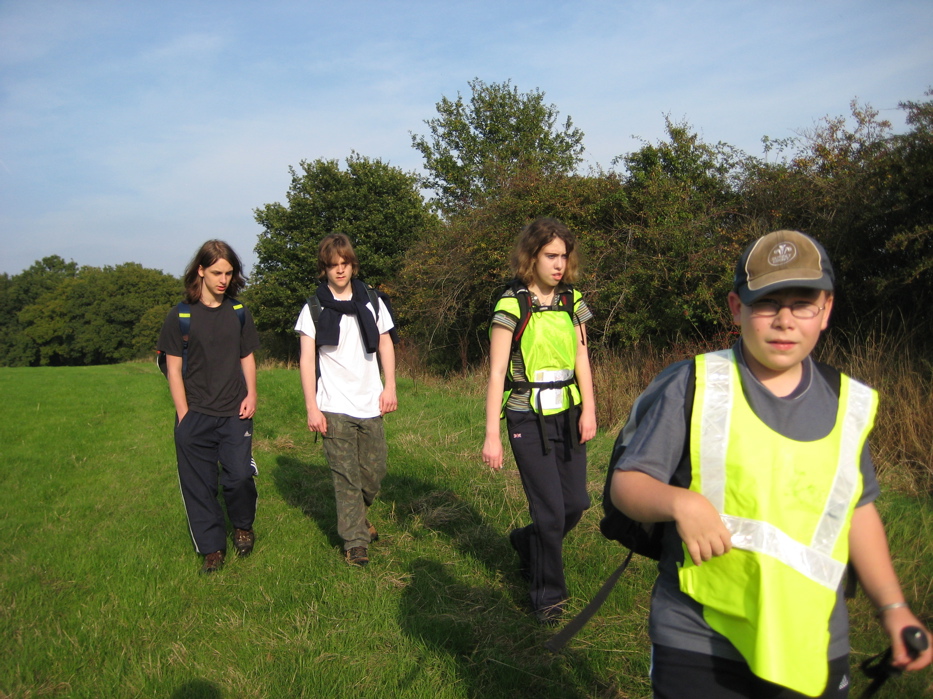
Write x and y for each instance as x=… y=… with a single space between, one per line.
x=498 y=650
x=197 y=689
x=418 y=507
x=308 y=487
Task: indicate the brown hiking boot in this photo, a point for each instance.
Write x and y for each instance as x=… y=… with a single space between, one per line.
x=373 y=534
x=358 y=556
x=213 y=562
x=243 y=540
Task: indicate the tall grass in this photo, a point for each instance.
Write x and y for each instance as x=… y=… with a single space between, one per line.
x=100 y=596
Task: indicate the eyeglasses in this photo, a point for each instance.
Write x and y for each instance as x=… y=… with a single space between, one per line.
x=803 y=310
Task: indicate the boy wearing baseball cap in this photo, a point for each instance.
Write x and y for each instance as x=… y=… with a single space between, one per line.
x=756 y=461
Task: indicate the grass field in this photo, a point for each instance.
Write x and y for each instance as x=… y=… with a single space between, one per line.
x=101 y=595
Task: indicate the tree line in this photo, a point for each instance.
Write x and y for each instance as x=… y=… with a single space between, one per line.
x=659 y=231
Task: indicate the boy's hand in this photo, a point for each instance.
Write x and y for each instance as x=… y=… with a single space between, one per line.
x=248 y=407
x=700 y=527
x=492 y=452
x=317 y=422
x=894 y=622
x=388 y=402
x=586 y=426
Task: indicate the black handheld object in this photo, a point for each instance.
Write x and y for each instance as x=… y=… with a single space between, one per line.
x=878 y=668
x=915 y=640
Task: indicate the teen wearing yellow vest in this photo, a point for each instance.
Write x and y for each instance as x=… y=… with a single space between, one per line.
x=768 y=490
x=548 y=426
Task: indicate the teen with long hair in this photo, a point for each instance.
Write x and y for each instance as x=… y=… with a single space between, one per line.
x=215 y=400
x=544 y=386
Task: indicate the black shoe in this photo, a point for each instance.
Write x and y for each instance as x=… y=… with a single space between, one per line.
x=550 y=616
x=243 y=540
x=213 y=562
x=358 y=556
x=373 y=534
x=524 y=560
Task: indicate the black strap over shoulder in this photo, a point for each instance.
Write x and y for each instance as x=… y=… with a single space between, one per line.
x=638 y=537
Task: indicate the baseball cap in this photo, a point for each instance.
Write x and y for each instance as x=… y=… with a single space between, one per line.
x=782 y=260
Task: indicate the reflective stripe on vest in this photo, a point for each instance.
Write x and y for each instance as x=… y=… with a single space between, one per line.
x=813 y=560
x=788 y=506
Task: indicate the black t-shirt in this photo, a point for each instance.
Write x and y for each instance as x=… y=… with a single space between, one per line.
x=214 y=382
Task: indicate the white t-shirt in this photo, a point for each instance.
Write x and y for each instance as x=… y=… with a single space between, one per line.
x=350 y=383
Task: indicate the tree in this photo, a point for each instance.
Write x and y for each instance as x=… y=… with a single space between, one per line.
x=18 y=292
x=901 y=228
x=454 y=274
x=865 y=194
x=376 y=205
x=664 y=268
x=96 y=316
x=473 y=150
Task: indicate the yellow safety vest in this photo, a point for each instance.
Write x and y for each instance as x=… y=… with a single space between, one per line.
x=789 y=506
x=549 y=353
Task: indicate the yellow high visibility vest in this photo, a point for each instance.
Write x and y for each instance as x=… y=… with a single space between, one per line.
x=549 y=353
x=789 y=506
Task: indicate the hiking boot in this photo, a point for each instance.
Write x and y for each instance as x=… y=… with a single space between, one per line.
x=243 y=540
x=524 y=560
x=358 y=556
x=550 y=616
x=373 y=534
x=212 y=562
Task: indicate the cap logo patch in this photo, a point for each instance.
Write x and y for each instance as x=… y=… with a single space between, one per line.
x=781 y=254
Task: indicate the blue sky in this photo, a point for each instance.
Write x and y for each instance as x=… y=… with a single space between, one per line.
x=134 y=131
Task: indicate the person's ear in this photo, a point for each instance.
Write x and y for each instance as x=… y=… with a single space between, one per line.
x=827 y=309
x=735 y=306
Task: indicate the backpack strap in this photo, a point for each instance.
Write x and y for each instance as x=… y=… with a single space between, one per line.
x=314 y=305
x=240 y=312
x=564 y=302
x=184 y=324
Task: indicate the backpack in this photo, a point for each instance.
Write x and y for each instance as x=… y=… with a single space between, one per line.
x=184 y=324
x=639 y=537
x=645 y=539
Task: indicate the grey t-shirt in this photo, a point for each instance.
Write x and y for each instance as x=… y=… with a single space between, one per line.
x=654 y=439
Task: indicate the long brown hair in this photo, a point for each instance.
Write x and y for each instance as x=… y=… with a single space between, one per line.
x=535 y=236
x=209 y=253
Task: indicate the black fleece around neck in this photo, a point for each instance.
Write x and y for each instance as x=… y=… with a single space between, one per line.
x=328 y=329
